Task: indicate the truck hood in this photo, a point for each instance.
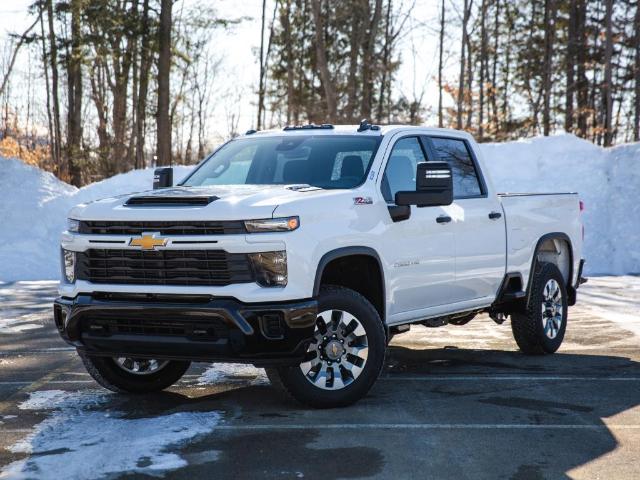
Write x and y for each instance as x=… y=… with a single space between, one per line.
x=235 y=202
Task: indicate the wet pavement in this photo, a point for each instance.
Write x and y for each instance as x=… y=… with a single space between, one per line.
x=453 y=402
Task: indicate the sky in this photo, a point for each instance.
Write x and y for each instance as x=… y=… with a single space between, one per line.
x=418 y=51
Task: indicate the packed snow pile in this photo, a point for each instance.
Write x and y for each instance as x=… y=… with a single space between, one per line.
x=33 y=213
x=608 y=181
x=35 y=203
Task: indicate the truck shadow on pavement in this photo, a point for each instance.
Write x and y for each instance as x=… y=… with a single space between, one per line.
x=434 y=412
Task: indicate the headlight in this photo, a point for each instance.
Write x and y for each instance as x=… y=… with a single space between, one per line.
x=270 y=268
x=285 y=224
x=73 y=225
x=69 y=264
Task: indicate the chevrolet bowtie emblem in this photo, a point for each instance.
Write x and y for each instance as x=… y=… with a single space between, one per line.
x=148 y=241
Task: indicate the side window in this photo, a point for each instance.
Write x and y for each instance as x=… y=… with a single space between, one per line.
x=465 y=177
x=400 y=173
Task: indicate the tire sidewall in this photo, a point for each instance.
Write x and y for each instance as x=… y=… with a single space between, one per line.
x=338 y=298
x=548 y=272
x=110 y=375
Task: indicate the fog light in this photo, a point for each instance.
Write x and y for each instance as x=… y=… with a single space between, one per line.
x=69 y=262
x=270 y=268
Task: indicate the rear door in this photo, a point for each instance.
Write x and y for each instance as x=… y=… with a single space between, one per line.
x=478 y=222
x=419 y=250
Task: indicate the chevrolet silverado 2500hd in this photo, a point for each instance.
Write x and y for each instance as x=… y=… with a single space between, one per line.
x=303 y=251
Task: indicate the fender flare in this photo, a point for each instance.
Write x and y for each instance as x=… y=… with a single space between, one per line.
x=554 y=236
x=347 y=252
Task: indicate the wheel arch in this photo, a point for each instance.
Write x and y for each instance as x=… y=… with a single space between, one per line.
x=549 y=249
x=354 y=252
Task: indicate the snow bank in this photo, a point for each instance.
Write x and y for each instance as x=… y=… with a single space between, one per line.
x=608 y=181
x=72 y=441
x=33 y=213
x=35 y=203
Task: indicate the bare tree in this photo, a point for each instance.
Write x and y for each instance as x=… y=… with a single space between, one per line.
x=53 y=57
x=440 y=64
x=164 y=73
x=466 y=14
x=636 y=75
x=607 y=86
x=323 y=67
x=549 y=38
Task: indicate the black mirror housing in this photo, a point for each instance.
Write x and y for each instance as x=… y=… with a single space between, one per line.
x=434 y=186
x=162 y=177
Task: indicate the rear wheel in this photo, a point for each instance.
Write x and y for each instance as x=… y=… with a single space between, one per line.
x=541 y=326
x=133 y=375
x=345 y=356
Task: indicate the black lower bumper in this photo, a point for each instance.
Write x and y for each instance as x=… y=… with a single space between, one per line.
x=181 y=327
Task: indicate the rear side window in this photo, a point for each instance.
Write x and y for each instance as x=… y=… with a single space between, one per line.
x=465 y=177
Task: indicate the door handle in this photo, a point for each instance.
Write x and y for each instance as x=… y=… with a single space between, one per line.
x=443 y=219
x=495 y=215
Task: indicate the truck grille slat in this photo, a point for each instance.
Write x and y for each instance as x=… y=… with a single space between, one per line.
x=230 y=227
x=166 y=267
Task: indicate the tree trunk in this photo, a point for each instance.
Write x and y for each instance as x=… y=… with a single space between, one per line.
x=355 y=39
x=143 y=86
x=45 y=68
x=53 y=57
x=549 y=37
x=386 y=53
x=465 y=20
x=483 y=62
x=367 y=61
x=440 y=64
x=74 y=87
x=582 y=84
x=570 y=65
x=494 y=73
x=164 y=72
x=608 y=76
x=262 y=66
x=323 y=68
x=636 y=76
x=286 y=27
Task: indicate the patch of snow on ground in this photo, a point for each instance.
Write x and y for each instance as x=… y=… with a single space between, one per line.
x=616 y=299
x=78 y=442
x=233 y=372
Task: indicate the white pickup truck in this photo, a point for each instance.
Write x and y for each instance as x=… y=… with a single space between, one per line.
x=304 y=251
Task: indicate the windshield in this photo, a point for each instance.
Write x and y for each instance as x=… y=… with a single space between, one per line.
x=325 y=161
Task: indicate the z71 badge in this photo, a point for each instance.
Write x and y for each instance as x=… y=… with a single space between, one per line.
x=362 y=200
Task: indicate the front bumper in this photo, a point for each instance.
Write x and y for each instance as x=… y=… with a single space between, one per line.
x=187 y=327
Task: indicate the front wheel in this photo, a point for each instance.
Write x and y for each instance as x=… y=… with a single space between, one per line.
x=345 y=356
x=133 y=375
x=540 y=327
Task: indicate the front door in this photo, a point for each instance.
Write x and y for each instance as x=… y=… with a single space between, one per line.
x=419 y=251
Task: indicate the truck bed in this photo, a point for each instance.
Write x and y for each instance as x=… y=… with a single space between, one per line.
x=532 y=216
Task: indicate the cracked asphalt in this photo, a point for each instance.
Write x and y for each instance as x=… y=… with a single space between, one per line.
x=453 y=402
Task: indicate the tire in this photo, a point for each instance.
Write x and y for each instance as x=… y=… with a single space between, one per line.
x=110 y=375
x=534 y=332
x=357 y=381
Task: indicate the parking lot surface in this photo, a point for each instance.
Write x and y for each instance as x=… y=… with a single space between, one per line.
x=453 y=402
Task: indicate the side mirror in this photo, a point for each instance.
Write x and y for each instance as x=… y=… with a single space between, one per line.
x=162 y=177
x=434 y=186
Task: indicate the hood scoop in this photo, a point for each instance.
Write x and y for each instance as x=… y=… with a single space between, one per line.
x=170 y=201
